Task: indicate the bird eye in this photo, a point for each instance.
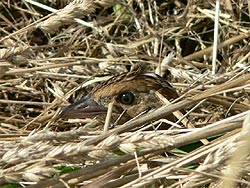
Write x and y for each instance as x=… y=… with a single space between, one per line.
x=126 y=98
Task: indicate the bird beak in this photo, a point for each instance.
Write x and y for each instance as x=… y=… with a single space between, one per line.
x=85 y=108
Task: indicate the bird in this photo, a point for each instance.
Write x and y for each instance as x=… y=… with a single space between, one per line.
x=131 y=94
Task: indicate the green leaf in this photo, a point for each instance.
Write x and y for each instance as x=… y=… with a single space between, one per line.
x=118 y=10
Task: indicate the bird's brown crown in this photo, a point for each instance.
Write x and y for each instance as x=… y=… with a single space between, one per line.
x=131 y=93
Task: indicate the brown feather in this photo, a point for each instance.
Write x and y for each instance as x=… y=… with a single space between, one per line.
x=142 y=86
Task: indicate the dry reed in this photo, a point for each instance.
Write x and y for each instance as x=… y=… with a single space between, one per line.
x=53 y=52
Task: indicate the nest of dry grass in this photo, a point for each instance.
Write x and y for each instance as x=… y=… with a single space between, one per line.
x=53 y=52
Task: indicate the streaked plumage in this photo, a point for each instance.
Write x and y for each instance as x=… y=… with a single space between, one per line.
x=132 y=92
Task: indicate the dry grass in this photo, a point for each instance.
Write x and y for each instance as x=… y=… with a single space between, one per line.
x=53 y=52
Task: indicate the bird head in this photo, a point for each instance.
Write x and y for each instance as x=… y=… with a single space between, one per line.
x=131 y=94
